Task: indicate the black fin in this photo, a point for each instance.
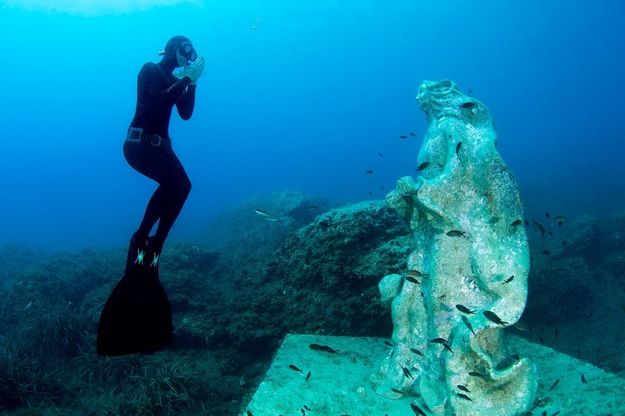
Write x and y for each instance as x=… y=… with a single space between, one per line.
x=137 y=314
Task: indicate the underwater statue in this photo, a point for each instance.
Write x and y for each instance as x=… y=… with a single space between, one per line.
x=467 y=278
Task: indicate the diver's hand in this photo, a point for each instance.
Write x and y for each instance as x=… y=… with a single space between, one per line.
x=195 y=70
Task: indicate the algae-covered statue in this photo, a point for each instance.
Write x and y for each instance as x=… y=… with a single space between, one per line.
x=466 y=279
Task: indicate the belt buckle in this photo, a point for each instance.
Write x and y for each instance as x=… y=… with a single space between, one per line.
x=157 y=144
x=134 y=134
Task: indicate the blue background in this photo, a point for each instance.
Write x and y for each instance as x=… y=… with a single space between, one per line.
x=302 y=95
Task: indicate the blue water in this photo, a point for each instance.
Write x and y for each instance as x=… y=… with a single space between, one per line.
x=300 y=95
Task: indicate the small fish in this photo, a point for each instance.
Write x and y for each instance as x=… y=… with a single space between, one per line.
x=307 y=408
x=417 y=410
x=491 y=316
x=389 y=343
x=403 y=137
x=308 y=376
x=417 y=273
x=516 y=223
x=458 y=146
x=556 y=413
x=545 y=252
x=381 y=156
x=521 y=326
x=381 y=187
x=318 y=347
x=547 y=215
x=463 y=388
x=464 y=309
x=584 y=379
x=28 y=305
x=560 y=219
x=456 y=233
x=411 y=279
x=294 y=368
x=271 y=219
x=477 y=374
x=555 y=383
x=550 y=233
x=248 y=413
x=470 y=90
x=261 y=213
x=422 y=166
x=369 y=172
x=412 y=134
x=406 y=372
x=509 y=279
x=563 y=243
x=555 y=332
x=527 y=223
x=443 y=342
x=416 y=351
x=507 y=362
x=540 y=228
x=468 y=104
x=468 y=324
x=396 y=391
x=464 y=396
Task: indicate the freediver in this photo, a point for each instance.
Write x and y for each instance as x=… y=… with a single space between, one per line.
x=137 y=314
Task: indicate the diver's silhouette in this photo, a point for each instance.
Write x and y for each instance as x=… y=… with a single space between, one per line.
x=137 y=315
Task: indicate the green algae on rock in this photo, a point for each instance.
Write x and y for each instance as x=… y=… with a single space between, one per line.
x=461 y=209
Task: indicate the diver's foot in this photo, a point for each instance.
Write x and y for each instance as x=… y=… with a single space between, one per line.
x=137 y=249
x=153 y=251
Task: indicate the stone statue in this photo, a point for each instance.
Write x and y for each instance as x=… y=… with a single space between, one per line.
x=466 y=279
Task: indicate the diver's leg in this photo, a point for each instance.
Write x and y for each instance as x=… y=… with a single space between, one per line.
x=175 y=192
x=152 y=213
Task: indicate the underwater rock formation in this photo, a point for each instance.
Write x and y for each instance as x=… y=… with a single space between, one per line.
x=467 y=278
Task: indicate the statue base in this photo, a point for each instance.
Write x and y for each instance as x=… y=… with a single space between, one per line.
x=305 y=381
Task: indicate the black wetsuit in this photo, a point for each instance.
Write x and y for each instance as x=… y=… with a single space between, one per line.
x=157 y=92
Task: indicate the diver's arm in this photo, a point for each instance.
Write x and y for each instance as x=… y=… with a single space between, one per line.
x=186 y=102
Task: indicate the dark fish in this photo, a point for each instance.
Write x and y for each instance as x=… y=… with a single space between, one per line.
x=248 y=413
x=294 y=368
x=396 y=391
x=584 y=379
x=416 y=273
x=370 y=193
x=563 y=243
x=464 y=396
x=544 y=413
x=547 y=215
x=406 y=372
x=546 y=252
x=412 y=134
x=516 y=223
x=307 y=408
x=477 y=374
x=468 y=104
x=423 y=166
x=560 y=219
x=380 y=155
x=369 y=172
x=470 y=90
x=550 y=233
x=443 y=342
x=541 y=340
x=509 y=279
x=491 y=316
x=540 y=228
x=389 y=343
x=468 y=324
x=458 y=146
x=464 y=309
x=308 y=376
x=556 y=413
x=318 y=347
x=507 y=362
x=463 y=388
x=411 y=279
x=555 y=331
x=417 y=410
x=555 y=383
x=403 y=137
x=381 y=187
x=416 y=351
x=303 y=411
x=527 y=223
x=456 y=233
